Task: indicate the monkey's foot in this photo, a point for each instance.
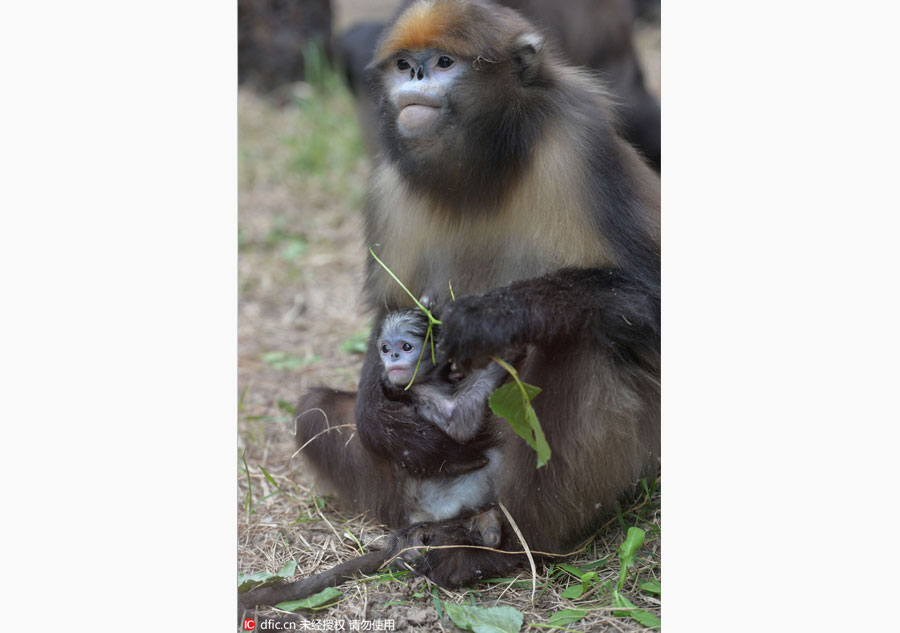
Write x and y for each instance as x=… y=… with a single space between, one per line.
x=455 y=566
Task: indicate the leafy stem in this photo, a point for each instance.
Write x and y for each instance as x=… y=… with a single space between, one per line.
x=429 y=334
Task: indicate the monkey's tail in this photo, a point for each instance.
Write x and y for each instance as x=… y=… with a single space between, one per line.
x=305 y=587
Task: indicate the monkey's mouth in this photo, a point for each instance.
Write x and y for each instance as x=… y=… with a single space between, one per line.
x=418 y=111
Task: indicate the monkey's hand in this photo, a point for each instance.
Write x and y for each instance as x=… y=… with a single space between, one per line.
x=475 y=328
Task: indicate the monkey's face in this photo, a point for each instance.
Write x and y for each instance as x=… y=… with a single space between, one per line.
x=461 y=100
x=419 y=85
x=399 y=353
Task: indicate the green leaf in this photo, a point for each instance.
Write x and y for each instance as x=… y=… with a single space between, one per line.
x=485 y=619
x=647 y=619
x=268 y=477
x=644 y=617
x=263 y=578
x=438 y=605
x=652 y=586
x=356 y=344
x=586 y=578
x=508 y=402
x=621 y=601
x=316 y=600
x=633 y=540
x=597 y=563
x=573 y=592
x=246 y=582
x=578 y=573
x=566 y=616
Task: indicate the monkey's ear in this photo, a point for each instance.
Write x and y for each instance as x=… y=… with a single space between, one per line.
x=528 y=54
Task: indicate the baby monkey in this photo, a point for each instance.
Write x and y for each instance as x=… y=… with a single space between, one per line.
x=449 y=453
x=454 y=404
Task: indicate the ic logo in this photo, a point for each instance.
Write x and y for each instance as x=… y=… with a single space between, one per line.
x=249 y=624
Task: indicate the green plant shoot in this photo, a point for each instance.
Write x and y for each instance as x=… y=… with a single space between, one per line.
x=627 y=550
x=429 y=334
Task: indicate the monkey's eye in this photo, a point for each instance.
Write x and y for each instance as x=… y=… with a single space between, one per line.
x=402 y=64
x=407 y=347
x=444 y=62
x=385 y=349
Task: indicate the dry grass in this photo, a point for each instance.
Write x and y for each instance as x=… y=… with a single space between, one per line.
x=302 y=175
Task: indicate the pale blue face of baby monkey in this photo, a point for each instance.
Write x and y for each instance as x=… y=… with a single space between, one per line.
x=421 y=83
x=399 y=348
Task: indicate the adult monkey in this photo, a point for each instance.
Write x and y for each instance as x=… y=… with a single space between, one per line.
x=593 y=33
x=503 y=173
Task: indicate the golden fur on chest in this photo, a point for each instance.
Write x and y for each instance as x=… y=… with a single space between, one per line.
x=542 y=225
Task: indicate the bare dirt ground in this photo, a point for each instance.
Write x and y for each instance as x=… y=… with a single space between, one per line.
x=302 y=174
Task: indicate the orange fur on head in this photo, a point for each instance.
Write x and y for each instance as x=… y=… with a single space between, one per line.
x=452 y=26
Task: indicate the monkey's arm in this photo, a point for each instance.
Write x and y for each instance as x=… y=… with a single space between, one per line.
x=394 y=429
x=435 y=403
x=471 y=402
x=607 y=308
x=383 y=424
x=460 y=415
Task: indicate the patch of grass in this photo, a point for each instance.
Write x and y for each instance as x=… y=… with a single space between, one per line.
x=283 y=360
x=295 y=247
x=286 y=406
x=268 y=418
x=306 y=141
x=624 y=576
x=356 y=344
x=328 y=144
x=248 y=499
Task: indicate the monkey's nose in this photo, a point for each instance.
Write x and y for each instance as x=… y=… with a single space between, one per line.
x=420 y=73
